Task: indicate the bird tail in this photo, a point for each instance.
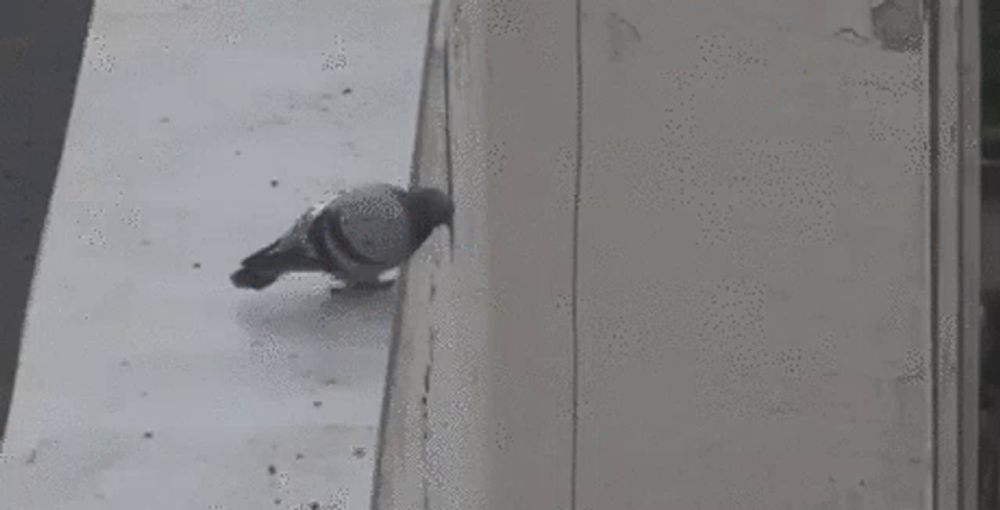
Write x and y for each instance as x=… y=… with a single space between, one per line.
x=263 y=267
x=251 y=278
x=260 y=269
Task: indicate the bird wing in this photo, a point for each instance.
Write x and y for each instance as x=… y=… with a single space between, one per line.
x=375 y=226
x=288 y=252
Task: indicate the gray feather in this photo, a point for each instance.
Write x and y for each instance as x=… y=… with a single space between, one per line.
x=358 y=235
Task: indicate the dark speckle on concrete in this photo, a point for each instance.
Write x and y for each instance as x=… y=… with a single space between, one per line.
x=148 y=435
x=165 y=120
x=347 y=91
x=277 y=501
x=359 y=452
x=299 y=456
x=274 y=183
x=238 y=153
x=196 y=265
x=314 y=506
x=271 y=470
x=317 y=403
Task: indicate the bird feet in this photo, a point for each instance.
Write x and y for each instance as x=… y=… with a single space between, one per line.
x=363 y=287
x=377 y=285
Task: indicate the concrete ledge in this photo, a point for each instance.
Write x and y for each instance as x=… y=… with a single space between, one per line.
x=41 y=45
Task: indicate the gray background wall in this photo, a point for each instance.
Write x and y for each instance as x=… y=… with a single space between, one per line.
x=713 y=254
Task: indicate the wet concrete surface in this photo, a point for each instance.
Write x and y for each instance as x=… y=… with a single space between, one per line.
x=200 y=130
x=40 y=49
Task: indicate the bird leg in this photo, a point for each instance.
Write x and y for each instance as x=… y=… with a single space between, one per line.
x=372 y=285
x=380 y=281
x=371 y=282
x=362 y=287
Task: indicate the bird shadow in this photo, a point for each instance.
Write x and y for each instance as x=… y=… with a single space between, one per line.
x=311 y=314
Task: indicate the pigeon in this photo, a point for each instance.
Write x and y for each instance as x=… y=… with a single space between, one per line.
x=356 y=237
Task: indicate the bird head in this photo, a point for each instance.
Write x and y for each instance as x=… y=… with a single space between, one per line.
x=429 y=208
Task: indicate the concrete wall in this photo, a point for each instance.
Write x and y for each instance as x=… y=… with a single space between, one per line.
x=707 y=255
x=480 y=394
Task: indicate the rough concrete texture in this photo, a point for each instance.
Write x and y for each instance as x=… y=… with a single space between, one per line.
x=754 y=271
x=725 y=259
x=200 y=130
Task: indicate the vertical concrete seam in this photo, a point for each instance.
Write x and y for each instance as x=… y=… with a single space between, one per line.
x=449 y=171
x=960 y=336
x=578 y=179
x=967 y=24
x=933 y=88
